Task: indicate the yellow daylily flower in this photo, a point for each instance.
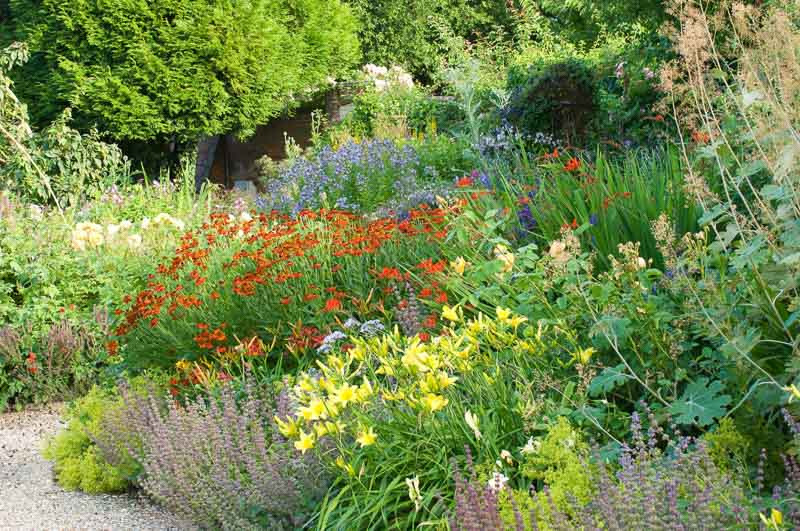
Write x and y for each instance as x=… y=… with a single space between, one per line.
x=451 y=314
x=366 y=437
x=306 y=442
x=585 y=355
x=346 y=394
x=288 y=428
x=517 y=320
x=459 y=265
x=793 y=391
x=347 y=467
x=434 y=403
x=503 y=314
x=416 y=357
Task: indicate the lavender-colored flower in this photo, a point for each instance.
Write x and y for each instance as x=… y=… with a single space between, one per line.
x=371 y=328
x=220 y=460
x=330 y=341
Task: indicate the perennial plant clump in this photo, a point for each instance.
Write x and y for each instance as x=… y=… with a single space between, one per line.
x=281 y=281
x=358 y=176
x=218 y=460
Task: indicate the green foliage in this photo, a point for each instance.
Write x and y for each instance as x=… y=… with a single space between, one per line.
x=78 y=462
x=196 y=69
x=557 y=98
x=701 y=403
x=58 y=164
x=561 y=461
x=727 y=446
x=410 y=33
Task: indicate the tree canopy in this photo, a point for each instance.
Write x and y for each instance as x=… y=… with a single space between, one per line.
x=156 y=69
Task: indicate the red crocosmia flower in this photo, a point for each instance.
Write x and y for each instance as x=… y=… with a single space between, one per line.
x=626 y=195
x=429 y=322
x=202 y=326
x=574 y=224
x=390 y=273
x=112 y=347
x=331 y=305
x=441 y=298
x=308 y=297
x=215 y=295
x=553 y=155
x=424 y=293
x=573 y=165
x=336 y=268
x=285 y=301
x=659 y=118
x=153 y=322
x=464 y=182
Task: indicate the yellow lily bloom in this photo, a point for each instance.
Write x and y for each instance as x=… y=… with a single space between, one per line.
x=288 y=428
x=306 y=442
x=366 y=437
x=434 y=403
x=451 y=314
x=503 y=314
x=346 y=394
x=585 y=355
x=459 y=265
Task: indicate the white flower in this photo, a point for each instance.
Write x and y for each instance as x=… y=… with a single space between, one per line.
x=125 y=224
x=506 y=456
x=112 y=230
x=413 y=491
x=134 y=241
x=641 y=263
x=472 y=422
x=37 y=214
x=145 y=223
x=245 y=217
x=178 y=224
x=531 y=447
x=497 y=481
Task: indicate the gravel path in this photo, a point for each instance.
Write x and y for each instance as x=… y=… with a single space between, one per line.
x=29 y=498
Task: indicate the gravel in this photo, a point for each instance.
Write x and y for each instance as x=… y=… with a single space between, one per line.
x=30 y=499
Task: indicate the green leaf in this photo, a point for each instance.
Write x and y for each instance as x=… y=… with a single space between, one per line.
x=700 y=404
x=608 y=380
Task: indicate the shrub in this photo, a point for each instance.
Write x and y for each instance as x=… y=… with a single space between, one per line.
x=558 y=99
x=218 y=460
x=198 y=69
x=78 y=462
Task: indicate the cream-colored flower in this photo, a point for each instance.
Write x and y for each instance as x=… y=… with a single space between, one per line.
x=245 y=217
x=558 y=251
x=145 y=223
x=505 y=455
x=413 y=491
x=134 y=241
x=112 y=230
x=473 y=421
x=125 y=224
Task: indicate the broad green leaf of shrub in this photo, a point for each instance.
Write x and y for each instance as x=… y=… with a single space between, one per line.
x=608 y=380
x=701 y=403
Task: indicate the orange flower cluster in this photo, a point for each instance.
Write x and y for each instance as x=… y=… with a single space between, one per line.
x=260 y=274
